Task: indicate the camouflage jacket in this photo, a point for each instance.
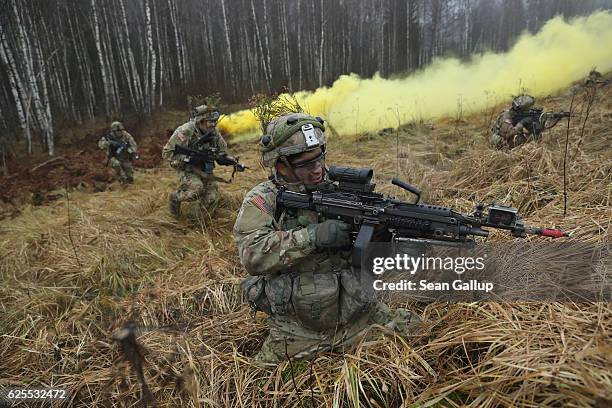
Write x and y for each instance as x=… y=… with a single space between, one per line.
x=105 y=140
x=185 y=135
x=315 y=286
x=505 y=128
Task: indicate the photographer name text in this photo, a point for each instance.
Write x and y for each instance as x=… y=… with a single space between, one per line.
x=424 y=285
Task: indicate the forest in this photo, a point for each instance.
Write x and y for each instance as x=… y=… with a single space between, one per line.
x=64 y=62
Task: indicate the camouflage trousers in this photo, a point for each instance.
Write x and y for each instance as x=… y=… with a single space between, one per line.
x=507 y=136
x=288 y=338
x=509 y=139
x=193 y=187
x=123 y=170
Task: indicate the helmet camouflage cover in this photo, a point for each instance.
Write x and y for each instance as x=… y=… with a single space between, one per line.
x=291 y=134
x=205 y=112
x=523 y=102
x=116 y=126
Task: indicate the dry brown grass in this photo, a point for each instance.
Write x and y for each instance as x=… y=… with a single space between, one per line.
x=61 y=303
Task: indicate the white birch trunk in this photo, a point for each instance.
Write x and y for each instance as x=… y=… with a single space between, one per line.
x=105 y=84
x=16 y=87
x=299 y=43
x=153 y=61
x=321 y=44
x=48 y=125
x=286 y=53
x=266 y=67
x=136 y=82
x=161 y=56
x=108 y=57
x=83 y=68
x=177 y=41
x=228 y=44
x=267 y=40
x=33 y=95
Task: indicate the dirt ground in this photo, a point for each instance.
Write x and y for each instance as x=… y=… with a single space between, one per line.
x=81 y=166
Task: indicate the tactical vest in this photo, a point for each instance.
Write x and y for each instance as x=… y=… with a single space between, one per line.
x=321 y=292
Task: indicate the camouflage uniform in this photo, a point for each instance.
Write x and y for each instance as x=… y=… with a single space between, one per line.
x=121 y=163
x=314 y=299
x=504 y=132
x=193 y=184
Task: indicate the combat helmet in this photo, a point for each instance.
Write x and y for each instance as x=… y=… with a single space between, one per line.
x=522 y=102
x=291 y=134
x=116 y=127
x=205 y=112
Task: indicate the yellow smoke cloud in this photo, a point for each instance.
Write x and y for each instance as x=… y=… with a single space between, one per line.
x=560 y=53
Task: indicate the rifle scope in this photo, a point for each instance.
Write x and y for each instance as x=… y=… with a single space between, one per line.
x=350 y=175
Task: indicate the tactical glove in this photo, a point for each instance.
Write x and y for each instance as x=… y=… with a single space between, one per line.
x=330 y=234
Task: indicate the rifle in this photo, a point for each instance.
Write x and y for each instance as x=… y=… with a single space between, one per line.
x=120 y=148
x=204 y=159
x=535 y=120
x=354 y=201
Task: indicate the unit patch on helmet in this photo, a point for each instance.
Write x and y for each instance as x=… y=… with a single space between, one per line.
x=309 y=135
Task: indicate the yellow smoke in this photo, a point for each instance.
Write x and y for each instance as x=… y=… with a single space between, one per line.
x=560 y=53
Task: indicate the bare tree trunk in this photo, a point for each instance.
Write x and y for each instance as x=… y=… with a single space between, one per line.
x=48 y=125
x=136 y=81
x=267 y=40
x=83 y=66
x=33 y=95
x=161 y=58
x=285 y=40
x=321 y=44
x=180 y=54
x=16 y=86
x=153 y=61
x=228 y=45
x=106 y=87
x=266 y=67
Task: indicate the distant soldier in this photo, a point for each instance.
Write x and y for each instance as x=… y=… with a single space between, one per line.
x=521 y=123
x=120 y=149
x=195 y=171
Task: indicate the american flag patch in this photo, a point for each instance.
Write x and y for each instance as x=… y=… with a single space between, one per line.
x=182 y=137
x=260 y=203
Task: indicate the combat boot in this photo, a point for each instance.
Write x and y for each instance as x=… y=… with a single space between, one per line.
x=174 y=205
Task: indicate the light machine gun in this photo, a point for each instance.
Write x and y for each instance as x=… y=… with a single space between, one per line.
x=354 y=201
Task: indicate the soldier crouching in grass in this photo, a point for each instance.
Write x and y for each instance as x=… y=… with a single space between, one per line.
x=521 y=123
x=120 y=149
x=299 y=262
x=197 y=182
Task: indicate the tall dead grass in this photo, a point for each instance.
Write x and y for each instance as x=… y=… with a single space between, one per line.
x=60 y=303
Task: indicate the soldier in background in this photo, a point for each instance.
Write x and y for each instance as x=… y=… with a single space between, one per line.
x=521 y=123
x=300 y=262
x=200 y=134
x=121 y=149
x=508 y=131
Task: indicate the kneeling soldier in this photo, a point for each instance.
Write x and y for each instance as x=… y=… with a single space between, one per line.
x=299 y=262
